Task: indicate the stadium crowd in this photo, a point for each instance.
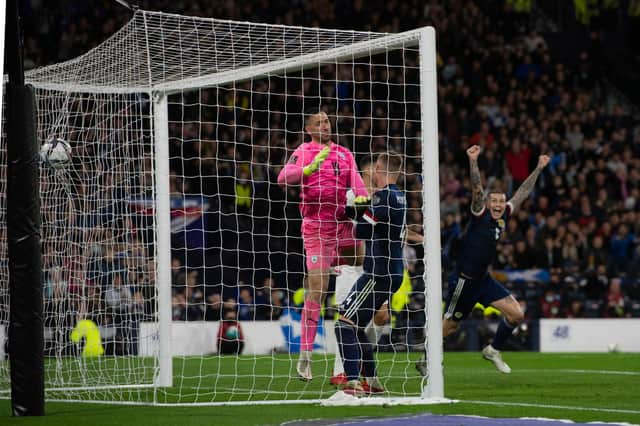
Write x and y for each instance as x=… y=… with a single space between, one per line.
x=499 y=86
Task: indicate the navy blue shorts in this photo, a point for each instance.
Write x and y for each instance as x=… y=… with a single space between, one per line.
x=367 y=295
x=464 y=293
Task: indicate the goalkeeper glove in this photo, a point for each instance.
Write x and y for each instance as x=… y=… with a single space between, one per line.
x=360 y=205
x=317 y=161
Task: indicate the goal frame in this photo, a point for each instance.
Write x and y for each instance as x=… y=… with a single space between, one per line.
x=425 y=39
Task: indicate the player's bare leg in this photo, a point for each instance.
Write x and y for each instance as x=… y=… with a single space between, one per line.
x=375 y=327
x=513 y=316
x=318 y=281
x=449 y=327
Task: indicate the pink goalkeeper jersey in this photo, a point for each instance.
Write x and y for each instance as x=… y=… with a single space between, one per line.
x=324 y=193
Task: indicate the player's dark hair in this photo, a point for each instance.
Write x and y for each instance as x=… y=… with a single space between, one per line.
x=309 y=112
x=393 y=161
x=495 y=190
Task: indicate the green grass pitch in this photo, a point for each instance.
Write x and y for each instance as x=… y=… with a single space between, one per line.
x=580 y=387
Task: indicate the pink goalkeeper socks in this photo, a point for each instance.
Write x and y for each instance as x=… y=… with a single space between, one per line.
x=309 y=324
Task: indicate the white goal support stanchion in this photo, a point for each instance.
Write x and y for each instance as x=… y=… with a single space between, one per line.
x=163 y=226
x=169 y=219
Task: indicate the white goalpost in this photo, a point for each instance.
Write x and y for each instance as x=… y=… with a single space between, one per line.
x=169 y=221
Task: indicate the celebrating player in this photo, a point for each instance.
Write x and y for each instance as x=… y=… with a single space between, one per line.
x=382 y=227
x=325 y=171
x=471 y=283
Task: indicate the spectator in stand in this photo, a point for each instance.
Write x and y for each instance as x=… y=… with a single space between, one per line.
x=229 y=305
x=523 y=257
x=230 y=339
x=550 y=304
x=279 y=302
x=246 y=307
x=575 y=309
x=621 y=248
x=194 y=297
x=596 y=254
x=178 y=307
x=615 y=300
x=517 y=158
x=483 y=138
x=214 y=307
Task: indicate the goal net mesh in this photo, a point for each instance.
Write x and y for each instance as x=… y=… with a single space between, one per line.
x=236 y=94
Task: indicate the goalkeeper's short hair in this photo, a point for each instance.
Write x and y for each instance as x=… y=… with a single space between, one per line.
x=311 y=111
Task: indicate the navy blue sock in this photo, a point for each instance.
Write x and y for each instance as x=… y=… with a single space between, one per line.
x=505 y=329
x=368 y=362
x=349 y=348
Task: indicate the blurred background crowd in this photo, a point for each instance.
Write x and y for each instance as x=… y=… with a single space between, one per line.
x=518 y=78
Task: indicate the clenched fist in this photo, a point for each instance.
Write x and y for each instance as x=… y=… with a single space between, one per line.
x=543 y=160
x=473 y=152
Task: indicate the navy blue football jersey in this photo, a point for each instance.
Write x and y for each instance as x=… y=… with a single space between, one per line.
x=382 y=226
x=480 y=242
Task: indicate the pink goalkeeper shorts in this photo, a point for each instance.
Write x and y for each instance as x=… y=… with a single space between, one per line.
x=323 y=244
x=320 y=253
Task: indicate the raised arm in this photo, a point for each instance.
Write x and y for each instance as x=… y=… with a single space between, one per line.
x=477 y=193
x=527 y=186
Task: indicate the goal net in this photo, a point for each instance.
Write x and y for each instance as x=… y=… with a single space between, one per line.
x=168 y=224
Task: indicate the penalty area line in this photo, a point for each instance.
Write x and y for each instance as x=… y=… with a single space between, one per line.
x=551 y=406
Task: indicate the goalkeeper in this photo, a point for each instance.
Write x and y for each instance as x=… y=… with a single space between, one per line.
x=382 y=227
x=325 y=172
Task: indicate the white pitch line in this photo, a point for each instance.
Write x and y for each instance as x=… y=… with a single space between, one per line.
x=621 y=373
x=558 y=407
